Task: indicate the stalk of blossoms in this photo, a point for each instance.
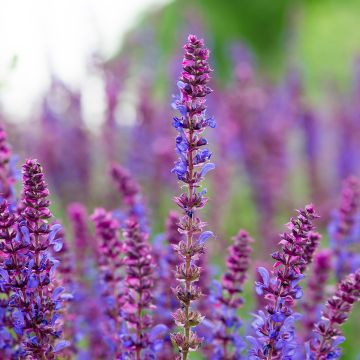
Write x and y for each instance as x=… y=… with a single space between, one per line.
x=7 y=176
x=274 y=326
x=90 y=318
x=84 y=244
x=327 y=333
x=190 y=169
x=12 y=277
x=129 y=189
x=228 y=344
x=39 y=303
x=143 y=339
x=343 y=228
x=111 y=264
x=316 y=289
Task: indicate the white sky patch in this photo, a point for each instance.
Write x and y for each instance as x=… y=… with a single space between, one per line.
x=58 y=36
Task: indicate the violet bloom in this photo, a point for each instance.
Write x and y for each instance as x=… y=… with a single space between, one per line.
x=84 y=243
x=344 y=229
x=129 y=189
x=141 y=342
x=316 y=289
x=13 y=275
x=29 y=270
x=191 y=168
x=328 y=336
x=7 y=171
x=111 y=263
x=274 y=326
x=90 y=318
x=228 y=342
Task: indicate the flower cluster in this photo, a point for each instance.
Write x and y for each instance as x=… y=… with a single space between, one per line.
x=14 y=252
x=110 y=262
x=274 y=325
x=335 y=313
x=140 y=343
x=129 y=189
x=228 y=342
x=28 y=272
x=190 y=169
x=344 y=229
x=316 y=289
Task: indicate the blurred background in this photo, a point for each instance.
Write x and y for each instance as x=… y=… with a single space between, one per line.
x=87 y=83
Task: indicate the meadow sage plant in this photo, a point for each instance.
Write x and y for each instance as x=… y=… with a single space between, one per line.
x=190 y=170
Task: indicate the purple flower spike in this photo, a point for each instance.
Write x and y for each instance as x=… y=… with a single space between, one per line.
x=328 y=336
x=316 y=289
x=190 y=169
x=140 y=282
x=344 y=229
x=110 y=262
x=85 y=246
x=274 y=327
x=129 y=189
x=28 y=272
x=228 y=344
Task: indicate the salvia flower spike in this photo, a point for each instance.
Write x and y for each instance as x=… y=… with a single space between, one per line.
x=139 y=282
x=29 y=270
x=344 y=229
x=274 y=326
x=316 y=285
x=228 y=342
x=328 y=336
x=190 y=169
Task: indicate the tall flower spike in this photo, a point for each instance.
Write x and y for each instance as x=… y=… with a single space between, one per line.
x=228 y=344
x=140 y=343
x=192 y=166
x=111 y=263
x=327 y=333
x=39 y=303
x=344 y=229
x=13 y=278
x=316 y=289
x=129 y=189
x=274 y=325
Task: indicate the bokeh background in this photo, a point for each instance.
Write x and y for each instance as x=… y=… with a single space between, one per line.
x=86 y=83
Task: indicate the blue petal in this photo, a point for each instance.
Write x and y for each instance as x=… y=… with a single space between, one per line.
x=211 y=122
x=204 y=236
x=278 y=317
x=61 y=345
x=54 y=230
x=158 y=331
x=264 y=275
x=206 y=168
